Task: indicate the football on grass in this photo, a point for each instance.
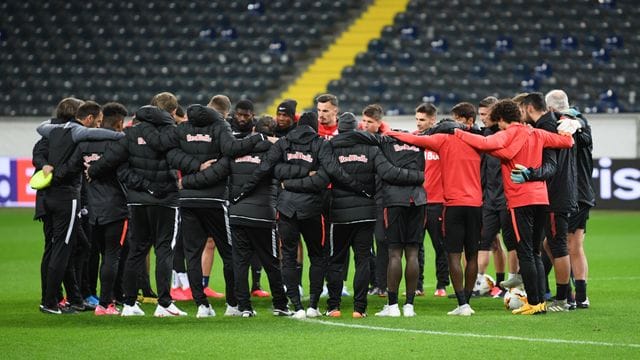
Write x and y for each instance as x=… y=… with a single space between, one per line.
x=514 y=298
x=483 y=285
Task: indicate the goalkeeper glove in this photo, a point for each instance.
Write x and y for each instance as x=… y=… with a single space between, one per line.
x=520 y=174
x=569 y=126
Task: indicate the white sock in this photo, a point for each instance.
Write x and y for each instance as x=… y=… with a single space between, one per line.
x=511 y=276
x=184 y=280
x=175 y=283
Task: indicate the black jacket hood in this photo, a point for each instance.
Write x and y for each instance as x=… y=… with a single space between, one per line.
x=154 y=115
x=200 y=115
x=443 y=125
x=302 y=135
x=354 y=137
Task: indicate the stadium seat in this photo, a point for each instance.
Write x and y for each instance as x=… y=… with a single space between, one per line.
x=217 y=39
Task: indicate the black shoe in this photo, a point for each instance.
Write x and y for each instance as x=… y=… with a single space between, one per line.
x=51 y=311
x=583 y=304
x=248 y=313
x=68 y=310
x=282 y=312
x=76 y=307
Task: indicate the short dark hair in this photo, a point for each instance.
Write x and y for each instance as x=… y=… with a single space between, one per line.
x=245 y=105
x=165 y=101
x=67 y=108
x=465 y=110
x=180 y=112
x=327 y=97
x=506 y=110
x=113 y=113
x=220 y=103
x=373 y=111
x=487 y=102
x=535 y=99
x=88 y=108
x=266 y=125
x=427 y=108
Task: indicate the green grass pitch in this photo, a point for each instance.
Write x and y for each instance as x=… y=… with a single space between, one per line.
x=611 y=328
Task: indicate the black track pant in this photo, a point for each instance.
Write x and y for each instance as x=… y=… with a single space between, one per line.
x=420 y=284
x=382 y=251
x=313 y=232
x=249 y=242
x=157 y=225
x=143 y=282
x=81 y=254
x=109 y=239
x=197 y=225
x=179 y=263
x=341 y=238
x=529 y=224
x=434 y=228
x=92 y=269
x=63 y=214
x=256 y=271
x=44 y=263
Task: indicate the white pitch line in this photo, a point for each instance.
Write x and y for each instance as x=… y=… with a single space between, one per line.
x=472 y=335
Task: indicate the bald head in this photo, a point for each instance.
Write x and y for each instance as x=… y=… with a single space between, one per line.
x=557 y=100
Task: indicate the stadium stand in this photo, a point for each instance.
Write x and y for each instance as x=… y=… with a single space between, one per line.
x=341 y=52
x=128 y=51
x=445 y=51
x=442 y=51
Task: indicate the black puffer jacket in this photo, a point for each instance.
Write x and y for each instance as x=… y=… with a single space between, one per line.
x=241 y=131
x=206 y=136
x=145 y=155
x=359 y=154
x=558 y=169
x=283 y=132
x=404 y=156
x=491 y=177
x=63 y=139
x=302 y=196
x=40 y=153
x=584 y=161
x=105 y=197
x=259 y=207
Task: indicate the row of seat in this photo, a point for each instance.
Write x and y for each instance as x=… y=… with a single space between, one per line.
x=133 y=49
x=470 y=49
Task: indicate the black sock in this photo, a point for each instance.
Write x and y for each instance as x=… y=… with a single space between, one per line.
x=548 y=265
x=561 y=291
x=581 y=290
x=205 y=281
x=499 y=278
x=462 y=298
x=410 y=298
x=299 y=273
x=467 y=296
x=569 y=292
x=393 y=297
